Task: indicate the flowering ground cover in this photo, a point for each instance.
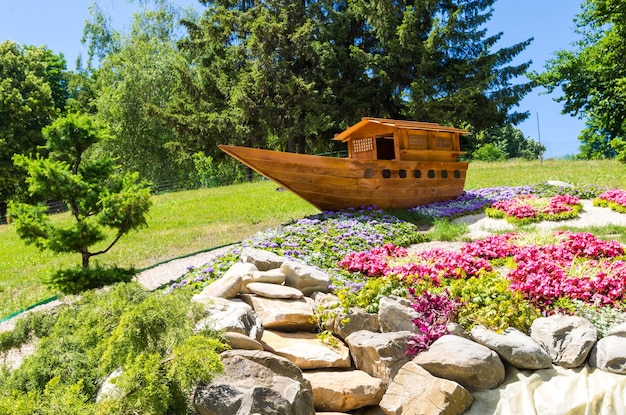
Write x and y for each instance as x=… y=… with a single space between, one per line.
x=502 y=281
x=614 y=199
x=475 y=201
x=525 y=209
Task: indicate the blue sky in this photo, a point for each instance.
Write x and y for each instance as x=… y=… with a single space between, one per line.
x=59 y=25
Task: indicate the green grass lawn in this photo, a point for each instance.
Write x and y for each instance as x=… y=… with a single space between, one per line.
x=186 y=222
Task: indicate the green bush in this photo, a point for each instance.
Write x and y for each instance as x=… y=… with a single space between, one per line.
x=488 y=152
x=488 y=301
x=149 y=336
x=78 y=279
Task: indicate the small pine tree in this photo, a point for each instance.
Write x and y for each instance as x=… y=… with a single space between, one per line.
x=96 y=195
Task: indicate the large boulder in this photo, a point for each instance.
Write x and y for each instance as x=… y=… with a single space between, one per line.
x=396 y=314
x=307 y=350
x=262 y=260
x=344 y=390
x=567 y=339
x=231 y=316
x=356 y=319
x=283 y=315
x=305 y=278
x=609 y=354
x=514 y=347
x=464 y=361
x=255 y=383
x=415 y=391
x=379 y=354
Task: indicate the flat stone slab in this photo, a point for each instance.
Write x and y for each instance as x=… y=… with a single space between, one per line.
x=268 y=290
x=284 y=315
x=306 y=350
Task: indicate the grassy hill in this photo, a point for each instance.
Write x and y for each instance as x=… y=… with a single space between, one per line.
x=185 y=222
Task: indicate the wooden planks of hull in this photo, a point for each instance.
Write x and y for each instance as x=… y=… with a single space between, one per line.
x=334 y=183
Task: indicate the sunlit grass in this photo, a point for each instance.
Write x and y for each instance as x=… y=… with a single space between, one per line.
x=608 y=173
x=178 y=224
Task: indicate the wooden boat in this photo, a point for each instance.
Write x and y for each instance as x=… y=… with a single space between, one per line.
x=390 y=164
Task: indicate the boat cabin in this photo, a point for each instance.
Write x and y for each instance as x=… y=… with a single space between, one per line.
x=384 y=139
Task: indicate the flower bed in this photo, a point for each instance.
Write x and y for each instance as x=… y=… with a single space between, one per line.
x=525 y=209
x=502 y=281
x=614 y=199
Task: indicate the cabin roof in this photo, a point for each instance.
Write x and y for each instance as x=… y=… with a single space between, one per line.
x=401 y=124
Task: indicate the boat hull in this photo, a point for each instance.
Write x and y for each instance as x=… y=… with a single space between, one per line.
x=330 y=183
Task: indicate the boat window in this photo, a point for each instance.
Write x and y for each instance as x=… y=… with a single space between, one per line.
x=444 y=174
x=386 y=173
x=417 y=174
x=457 y=174
x=431 y=174
x=385 y=149
x=362 y=145
x=402 y=173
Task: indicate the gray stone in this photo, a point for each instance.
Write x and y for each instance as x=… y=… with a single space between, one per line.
x=514 y=347
x=241 y=341
x=619 y=330
x=263 y=260
x=305 y=278
x=344 y=324
x=232 y=316
x=609 y=354
x=463 y=361
x=395 y=314
x=110 y=390
x=255 y=382
x=567 y=339
x=227 y=286
x=307 y=350
x=267 y=290
x=345 y=390
x=284 y=315
x=415 y=391
x=379 y=354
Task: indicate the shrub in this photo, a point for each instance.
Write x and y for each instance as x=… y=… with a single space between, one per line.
x=149 y=336
x=78 y=279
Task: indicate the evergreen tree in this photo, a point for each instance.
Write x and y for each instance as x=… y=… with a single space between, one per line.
x=287 y=75
x=96 y=196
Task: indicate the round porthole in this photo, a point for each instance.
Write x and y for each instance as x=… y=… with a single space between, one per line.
x=444 y=174
x=417 y=174
x=386 y=173
x=457 y=174
x=369 y=173
x=402 y=174
x=431 y=174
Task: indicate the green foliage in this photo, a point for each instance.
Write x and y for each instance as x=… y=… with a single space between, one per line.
x=488 y=301
x=78 y=279
x=367 y=294
x=500 y=143
x=33 y=325
x=136 y=77
x=96 y=195
x=288 y=75
x=33 y=91
x=591 y=77
x=149 y=336
x=488 y=152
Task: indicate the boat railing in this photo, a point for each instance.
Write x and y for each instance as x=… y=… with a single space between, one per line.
x=337 y=154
